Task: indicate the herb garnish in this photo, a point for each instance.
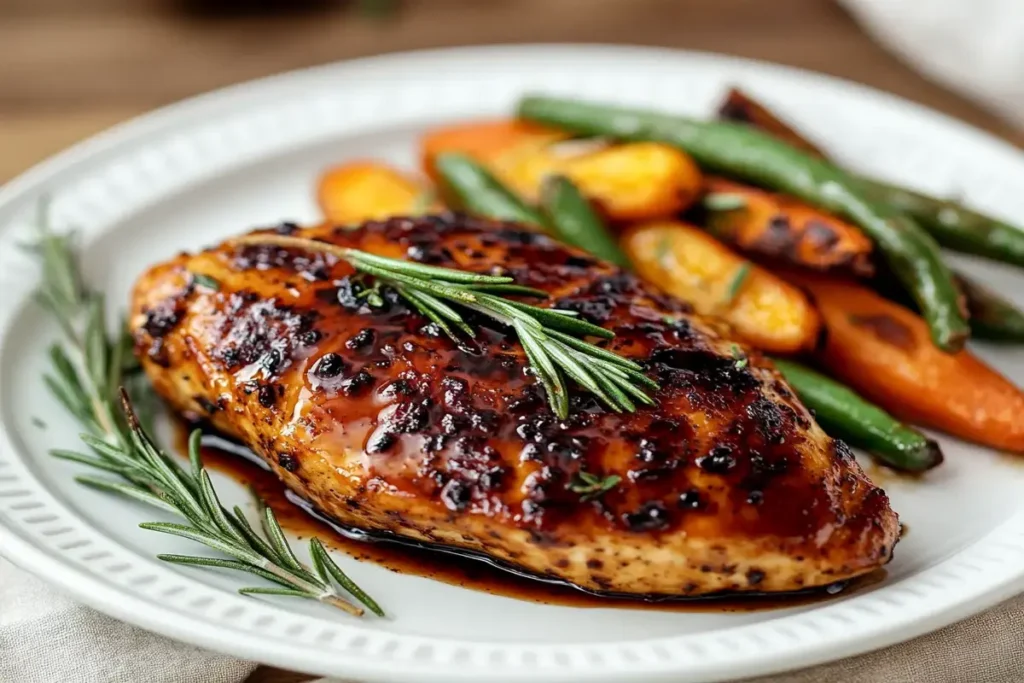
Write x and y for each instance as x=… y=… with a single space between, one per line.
x=549 y=335
x=738 y=278
x=206 y=281
x=590 y=486
x=723 y=201
x=89 y=376
x=372 y=296
x=740 y=360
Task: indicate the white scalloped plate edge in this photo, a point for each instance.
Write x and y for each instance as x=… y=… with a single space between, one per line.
x=58 y=550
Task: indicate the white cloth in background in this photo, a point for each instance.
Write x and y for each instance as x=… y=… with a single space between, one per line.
x=975 y=47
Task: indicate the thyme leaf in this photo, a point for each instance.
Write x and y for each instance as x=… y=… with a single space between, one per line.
x=590 y=486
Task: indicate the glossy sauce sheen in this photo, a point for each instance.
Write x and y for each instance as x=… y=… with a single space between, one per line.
x=382 y=422
x=474 y=573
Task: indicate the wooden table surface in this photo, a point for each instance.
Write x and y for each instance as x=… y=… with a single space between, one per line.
x=74 y=67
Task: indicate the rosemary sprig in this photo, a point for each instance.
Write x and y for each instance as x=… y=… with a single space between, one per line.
x=550 y=337
x=89 y=376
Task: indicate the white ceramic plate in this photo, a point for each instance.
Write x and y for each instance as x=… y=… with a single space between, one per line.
x=199 y=171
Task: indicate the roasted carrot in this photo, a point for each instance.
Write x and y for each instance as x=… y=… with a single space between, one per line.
x=953 y=225
x=779 y=228
x=884 y=351
x=691 y=265
x=369 y=190
x=630 y=182
x=741 y=108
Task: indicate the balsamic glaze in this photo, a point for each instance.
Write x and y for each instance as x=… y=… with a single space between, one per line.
x=456 y=566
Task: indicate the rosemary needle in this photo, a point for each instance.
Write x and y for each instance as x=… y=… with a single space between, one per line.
x=549 y=336
x=92 y=375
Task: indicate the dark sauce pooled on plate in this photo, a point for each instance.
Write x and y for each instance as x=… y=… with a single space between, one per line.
x=457 y=566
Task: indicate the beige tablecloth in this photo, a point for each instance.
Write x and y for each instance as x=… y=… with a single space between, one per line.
x=987 y=648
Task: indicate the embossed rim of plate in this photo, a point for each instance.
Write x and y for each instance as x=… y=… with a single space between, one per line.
x=117 y=173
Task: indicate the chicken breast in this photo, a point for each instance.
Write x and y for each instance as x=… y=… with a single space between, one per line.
x=383 y=423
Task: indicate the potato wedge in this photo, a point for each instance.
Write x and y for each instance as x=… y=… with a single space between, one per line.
x=782 y=229
x=885 y=352
x=369 y=190
x=686 y=262
x=628 y=182
x=485 y=141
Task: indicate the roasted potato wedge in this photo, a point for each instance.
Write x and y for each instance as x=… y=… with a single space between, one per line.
x=782 y=229
x=369 y=190
x=686 y=262
x=627 y=182
x=486 y=141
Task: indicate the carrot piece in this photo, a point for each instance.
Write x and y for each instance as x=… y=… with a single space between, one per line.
x=485 y=140
x=688 y=263
x=884 y=351
x=781 y=228
x=368 y=190
x=742 y=108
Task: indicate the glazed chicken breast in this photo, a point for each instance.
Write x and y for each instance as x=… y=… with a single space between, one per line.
x=383 y=423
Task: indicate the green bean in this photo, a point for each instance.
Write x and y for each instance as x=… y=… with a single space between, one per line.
x=567 y=213
x=953 y=225
x=741 y=151
x=991 y=316
x=479 y=193
x=574 y=221
x=847 y=416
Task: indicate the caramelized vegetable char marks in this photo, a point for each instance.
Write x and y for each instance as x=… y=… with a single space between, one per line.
x=887 y=329
x=371 y=412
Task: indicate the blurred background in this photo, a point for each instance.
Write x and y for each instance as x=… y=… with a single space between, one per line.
x=73 y=67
